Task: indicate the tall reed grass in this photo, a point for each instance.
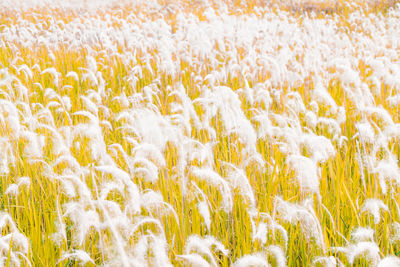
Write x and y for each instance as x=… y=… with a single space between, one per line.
x=207 y=133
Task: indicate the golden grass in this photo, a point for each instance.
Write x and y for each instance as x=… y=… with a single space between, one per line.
x=342 y=192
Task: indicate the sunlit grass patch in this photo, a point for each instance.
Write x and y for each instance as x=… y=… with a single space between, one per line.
x=207 y=133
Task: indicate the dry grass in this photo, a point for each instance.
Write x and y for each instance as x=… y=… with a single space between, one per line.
x=184 y=164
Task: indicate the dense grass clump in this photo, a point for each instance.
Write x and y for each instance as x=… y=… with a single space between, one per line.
x=215 y=133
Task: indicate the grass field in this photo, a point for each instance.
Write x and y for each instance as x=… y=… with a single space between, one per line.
x=199 y=133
